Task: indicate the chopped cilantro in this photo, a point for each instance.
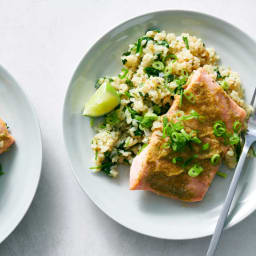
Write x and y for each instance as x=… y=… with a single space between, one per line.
x=185 y=40
x=151 y=71
x=112 y=118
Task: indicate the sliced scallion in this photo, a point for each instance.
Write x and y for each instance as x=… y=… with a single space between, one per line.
x=219 y=128
x=215 y=159
x=190 y=96
x=158 y=65
x=234 y=139
x=185 y=40
x=237 y=126
x=124 y=73
x=195 y=170
x=206 y=146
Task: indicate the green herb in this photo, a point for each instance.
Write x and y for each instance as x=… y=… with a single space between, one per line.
x=221 y=174
x=158 y=65
x=133 y=112
x=106 y=165
x=215 y=159
x=127 y=94
x=139 y=44
x=193 y=115
x=171 y=56
x=190 y=96
x=195 y=170
x=196 y=140
x=129 y=82
x=182 y=80
x=185 y=40
x=219 y=129
x=164 y=43
x=157 y=109
x=147 y=121
x=124 y=61
x=112 y=118
x=237 y=126
x=181 y=97
x=178 y=137
x=151 y=71
x=234 y=139
x=169 y=78
x=206 y=146
x=124 y=73
x=177 y=160
x=138 y=132
x=218 y=73
x=167 y=70
x=138 y=118
x=96 y=155
x=224 y=85
x=126 y=53
x=142 y=147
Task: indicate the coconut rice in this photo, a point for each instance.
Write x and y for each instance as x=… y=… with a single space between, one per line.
x=146 y=94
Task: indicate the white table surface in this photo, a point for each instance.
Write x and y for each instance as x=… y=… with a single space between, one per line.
x=41 y=43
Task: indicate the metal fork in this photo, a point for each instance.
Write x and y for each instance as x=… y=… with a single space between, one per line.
x=250 y=137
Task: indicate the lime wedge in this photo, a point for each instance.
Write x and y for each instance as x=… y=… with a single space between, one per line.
x=102 y=101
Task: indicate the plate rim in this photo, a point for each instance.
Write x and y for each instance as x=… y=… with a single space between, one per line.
x=29 y=201
x=68 y=90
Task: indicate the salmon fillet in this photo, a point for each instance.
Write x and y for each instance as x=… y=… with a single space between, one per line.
x=153 y=169
x=6 y=140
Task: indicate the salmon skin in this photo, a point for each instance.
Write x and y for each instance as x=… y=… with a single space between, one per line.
x=153 y=169
x=6 y=139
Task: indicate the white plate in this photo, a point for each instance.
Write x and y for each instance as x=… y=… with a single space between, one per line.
x=22 y=164
x=142 y=211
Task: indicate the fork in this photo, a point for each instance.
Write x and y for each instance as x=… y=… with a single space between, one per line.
x=250 y=137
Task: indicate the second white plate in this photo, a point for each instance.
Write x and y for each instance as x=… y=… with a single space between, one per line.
x=22 y=163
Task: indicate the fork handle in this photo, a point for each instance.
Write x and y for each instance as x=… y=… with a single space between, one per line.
x=221 y=221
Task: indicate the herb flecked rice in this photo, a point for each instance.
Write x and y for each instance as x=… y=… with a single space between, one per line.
x=155 y=68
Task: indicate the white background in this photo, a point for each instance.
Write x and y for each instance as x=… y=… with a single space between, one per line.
x=41 y=43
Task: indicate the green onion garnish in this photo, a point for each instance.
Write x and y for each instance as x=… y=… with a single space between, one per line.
x=215 y=159
x=185 y=40
x=237 y=126
x=178 y=159
x=234 y=139
x=195 y=170
x=219 y=128
x=221 y=174
x=158 y=65
x=171 y=56
x=206 y=146
x=147 y=121
x=167 y=70
x=224 y=85
x=193 y=115
x=142 y=147
x=196 y=140
x=190 y=96
x=124 y=73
